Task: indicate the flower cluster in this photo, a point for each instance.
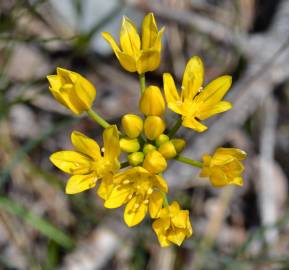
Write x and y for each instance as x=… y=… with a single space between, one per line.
x=146 y=139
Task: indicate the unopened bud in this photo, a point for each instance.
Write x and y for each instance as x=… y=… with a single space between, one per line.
x=154 y=126
x=132 y=125
x=129 y=145
x=154 y=162
x=152 y=102
x=135 y=158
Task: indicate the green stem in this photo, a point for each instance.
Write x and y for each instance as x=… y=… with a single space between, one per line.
x=175 y=128
x=189 y=161
x=124 y=164
x=98 y=119
x=166 y=203
x=142 y=82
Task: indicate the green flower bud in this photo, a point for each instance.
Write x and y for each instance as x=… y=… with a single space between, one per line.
x=148 y=147
x=135 y=158
x=162 y=139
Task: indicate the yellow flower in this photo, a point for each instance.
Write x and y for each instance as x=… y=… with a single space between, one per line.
x=224 y=167
x=137 y=54
x=132 y=125
x=194 y=103
x=72 y=90
x=152 y=102
x=87 y=164
x=173 y=225
x=139 y=190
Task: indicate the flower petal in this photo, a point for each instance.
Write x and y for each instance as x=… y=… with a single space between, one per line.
x=215 y=90
x=117 y=197
x=235 y=152
x=208 y=111
x=129 y=38
x=176 y=236
x=191 y=122
x=105 y=187
x=149 y=60
x=71 y=162
x=85 y=145
x=193 y=78
x=79 y=183
x=111 y=143
x=149 y=31
x=155 y=204
x=127 y=61
x=134 y=212
x=172 y=97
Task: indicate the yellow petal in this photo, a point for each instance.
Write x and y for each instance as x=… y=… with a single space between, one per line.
x=127 y=61
x=215 y=90
x=176 y=236
x=193 y=78
x=105 y=187
x=172 y=97
x=117 y=197
x=85 y=92
x=54 y=82
x=149 y=31
x=218 y=178
x=71 y=162
x=208 y=111
x=149 y=60
x=158 y=42
x=194 y=124
x=85 y=145
x=160 y=226
x=235 y=152
x=79 y=183
x=134 y=212
x=180 y=219
x=111 y=142
x=129 y=38
x=155 y=204
x=238 y=181
x=161 y=183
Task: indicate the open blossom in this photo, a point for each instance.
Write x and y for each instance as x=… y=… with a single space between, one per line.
x=72 y=90
x=135 y=53
x=139 y=189
x=87 y=164
x=194 y=103
x=173 y=225
x=224 y=167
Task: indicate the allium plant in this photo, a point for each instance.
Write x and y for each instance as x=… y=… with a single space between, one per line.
x=146 y=140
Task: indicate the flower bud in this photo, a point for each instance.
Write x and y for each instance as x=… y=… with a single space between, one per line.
x=135 y=158
x=179 y=144
x=72 y=90
x=162 y=139
x=154 y=162
x=154 y=126
x=168 y=150
x=132 y=125
x=152 y=102
x=129 y=145
x=148 y=147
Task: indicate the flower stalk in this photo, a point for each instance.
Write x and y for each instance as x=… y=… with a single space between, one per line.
x=96 y=118
x=189 y=161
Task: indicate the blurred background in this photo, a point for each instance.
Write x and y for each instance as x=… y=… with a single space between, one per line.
x=234 y=228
